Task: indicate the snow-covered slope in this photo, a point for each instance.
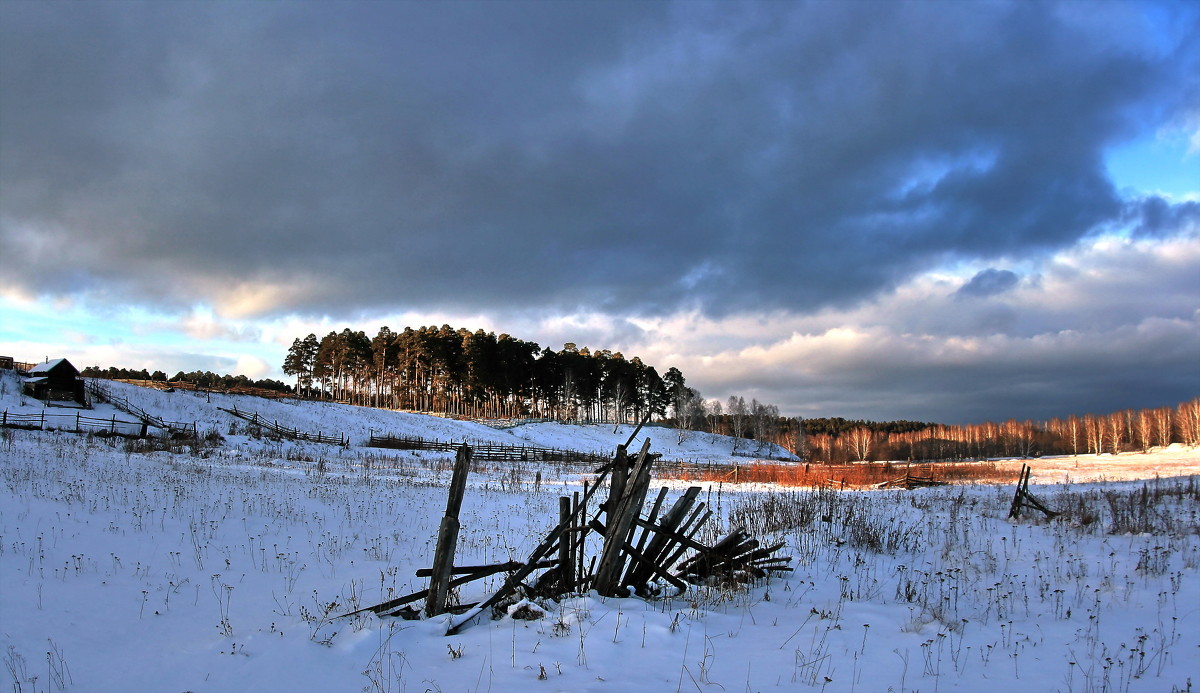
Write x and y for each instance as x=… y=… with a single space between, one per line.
x=129 y=568
x=359 y=423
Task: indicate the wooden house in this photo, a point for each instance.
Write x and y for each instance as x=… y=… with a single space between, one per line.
x=55 y=381
x=7 y=362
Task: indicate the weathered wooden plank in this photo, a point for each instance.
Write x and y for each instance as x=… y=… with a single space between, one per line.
x=471 y=569
x=384 y=608
x=443 y=557
x=566 y=560
x=623 y=506
x=661 y=542
x=646 y=530
x=655 y=569
x=684 y=538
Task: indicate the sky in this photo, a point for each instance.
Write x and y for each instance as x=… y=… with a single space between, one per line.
x=938 y=211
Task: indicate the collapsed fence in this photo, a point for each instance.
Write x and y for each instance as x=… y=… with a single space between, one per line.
x=639 y=553
x=285 y=431
x=490 y=453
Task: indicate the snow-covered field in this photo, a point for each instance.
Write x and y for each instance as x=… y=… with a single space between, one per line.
x=220 y=569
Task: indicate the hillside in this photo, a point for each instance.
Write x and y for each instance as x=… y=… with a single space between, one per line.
x=127 y=567
x=359 y=423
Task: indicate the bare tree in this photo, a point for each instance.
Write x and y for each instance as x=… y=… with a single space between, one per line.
x=714 y=414
x=859 y=443
x=1189 y=422
x=1114 y=425
x=1145 y=429
x=737 y=415
x=1163 y=425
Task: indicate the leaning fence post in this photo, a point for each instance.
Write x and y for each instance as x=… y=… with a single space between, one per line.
x=443 y=557
x=566 y=562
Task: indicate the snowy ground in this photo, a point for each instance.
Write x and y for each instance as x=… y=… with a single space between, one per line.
x=218 y=569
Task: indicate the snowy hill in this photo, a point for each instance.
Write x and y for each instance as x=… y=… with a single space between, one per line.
x=128 y=567
x=359 y=423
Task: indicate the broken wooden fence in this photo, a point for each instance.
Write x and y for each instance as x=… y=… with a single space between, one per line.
x=1022 y=498
x=638 y=553
x=910 y=480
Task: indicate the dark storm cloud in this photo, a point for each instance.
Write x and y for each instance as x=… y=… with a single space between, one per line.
x=624 y=157
x=988 y=282
x=1154 y=217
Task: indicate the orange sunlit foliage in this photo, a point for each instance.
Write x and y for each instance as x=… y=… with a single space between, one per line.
x=862 y=475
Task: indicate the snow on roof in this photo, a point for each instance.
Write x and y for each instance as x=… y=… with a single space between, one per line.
x=46 y=367
x=36 y=380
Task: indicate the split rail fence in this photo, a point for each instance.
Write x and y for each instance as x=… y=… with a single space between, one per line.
x=285 y=431
x=491 y=453
x=103 y=394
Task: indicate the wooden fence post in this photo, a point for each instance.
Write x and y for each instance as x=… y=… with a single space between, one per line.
x=577 y=510
x=443 y=557
x=566 y=562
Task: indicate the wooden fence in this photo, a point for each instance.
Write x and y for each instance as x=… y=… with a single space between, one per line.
x=491 y=453
x=183 y=385
x=286 y=432
x=77 y=423
x=99 y=392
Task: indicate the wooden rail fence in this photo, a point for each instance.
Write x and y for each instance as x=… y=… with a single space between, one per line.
x=102 y=393
x=490 y=453
x=77 y=423
x=286 y=432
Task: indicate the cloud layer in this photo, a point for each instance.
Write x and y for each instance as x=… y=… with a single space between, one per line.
x=633 y=161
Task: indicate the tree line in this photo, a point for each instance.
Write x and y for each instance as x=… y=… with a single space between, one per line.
x=201 y=379
x=837 y=441
x=478 y=374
